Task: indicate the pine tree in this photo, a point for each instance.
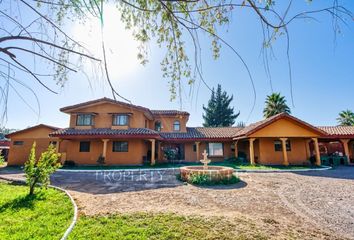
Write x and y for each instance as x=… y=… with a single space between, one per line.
x=218 y=113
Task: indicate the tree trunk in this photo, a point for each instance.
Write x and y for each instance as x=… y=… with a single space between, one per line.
x=32 y=187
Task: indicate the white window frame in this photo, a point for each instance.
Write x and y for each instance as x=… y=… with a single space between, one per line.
x=216 y=149
x=81 y=120
x=176 y=123
x=118 y=120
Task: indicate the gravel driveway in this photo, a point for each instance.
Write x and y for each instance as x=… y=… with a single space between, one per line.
x=312 y=205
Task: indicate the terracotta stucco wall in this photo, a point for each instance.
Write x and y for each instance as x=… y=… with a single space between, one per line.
x=284 y=128
x=268 y=155
x=103 y=119
x=167 y=123
x=18 y=154
x=191 y=156
x=136 y=150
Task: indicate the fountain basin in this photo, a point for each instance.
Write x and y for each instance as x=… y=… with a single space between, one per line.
x=216 y=173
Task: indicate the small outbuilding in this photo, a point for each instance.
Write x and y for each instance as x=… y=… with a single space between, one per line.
x=22 y=141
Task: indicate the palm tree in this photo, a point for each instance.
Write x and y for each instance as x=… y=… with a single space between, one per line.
x=346 y=118
x=274 y=104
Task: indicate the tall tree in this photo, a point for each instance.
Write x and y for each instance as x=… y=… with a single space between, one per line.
x=218 y=113
x=274 y=104
x=346 y=118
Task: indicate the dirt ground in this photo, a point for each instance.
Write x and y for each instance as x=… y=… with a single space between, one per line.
x=304 y=205
x=302 y=202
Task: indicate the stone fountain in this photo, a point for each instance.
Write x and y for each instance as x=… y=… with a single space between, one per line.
x=205 y=160
x=214 y=172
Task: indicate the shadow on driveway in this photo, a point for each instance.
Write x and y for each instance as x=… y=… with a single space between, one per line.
x=340 y=172
x=105 y=182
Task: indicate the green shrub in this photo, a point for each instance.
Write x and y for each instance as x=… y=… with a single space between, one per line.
x=199 y=179
x=38 y=172
x=206 y=180
x=2 y=159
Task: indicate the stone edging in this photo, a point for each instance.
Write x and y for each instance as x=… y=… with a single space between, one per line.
x=178 y=168
x=73 y=222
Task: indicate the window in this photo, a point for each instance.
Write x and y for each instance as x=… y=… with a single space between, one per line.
x=84 y=120
x=215 y=149
x=146 y=123
x=278 y=146
x=176 y=126
x=18 y=143
x=120 y=120
x=120 y=146
x=158 y=126
x=84 y=146
x=54 y=143
x=194 y=147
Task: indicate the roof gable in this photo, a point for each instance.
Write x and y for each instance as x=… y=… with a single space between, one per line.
x=40 y=130
x=80 y=106
x=280 y=125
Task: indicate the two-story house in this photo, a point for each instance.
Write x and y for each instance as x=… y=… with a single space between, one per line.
x=124 y=134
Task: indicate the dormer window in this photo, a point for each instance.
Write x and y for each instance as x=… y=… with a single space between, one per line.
x=120 y=120
x=176 y=126
x=84 y=120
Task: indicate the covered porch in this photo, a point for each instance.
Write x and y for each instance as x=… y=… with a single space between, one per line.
x=108 y=151
x=337 y=151
x=278 y=150
x=281 y=140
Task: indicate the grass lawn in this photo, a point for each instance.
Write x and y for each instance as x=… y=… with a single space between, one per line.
x=176 y=165
x=161 y=226
x=271 y=167
x=46 y=215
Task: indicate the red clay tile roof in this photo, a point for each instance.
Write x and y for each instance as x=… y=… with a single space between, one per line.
x=169 y=112
x=201 y=133
x=149 y=112
x=259 y=125
x=144 y=109
x=30 y=128
x=105 y=132
x=338 y=131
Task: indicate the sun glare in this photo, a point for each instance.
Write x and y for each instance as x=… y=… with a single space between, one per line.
x=121 y=48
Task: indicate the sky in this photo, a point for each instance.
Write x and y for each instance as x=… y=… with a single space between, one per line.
x=322 y=72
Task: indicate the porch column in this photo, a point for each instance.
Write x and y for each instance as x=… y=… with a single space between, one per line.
x=104 y=151
x=285 y=153
x=197 y=150
x=236 y=149
x=159 y=152
x=251 y=140
x=307 y=146
x=317 y=150
x=346 y=148
x=152 y=151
